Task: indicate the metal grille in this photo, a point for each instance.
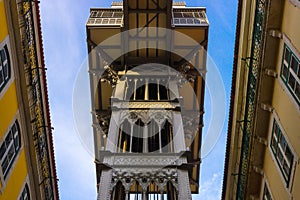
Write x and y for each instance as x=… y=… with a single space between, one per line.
x=251 y=98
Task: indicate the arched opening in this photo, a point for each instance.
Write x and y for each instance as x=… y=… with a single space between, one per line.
x=171 y=191
x=153 y=91
x=118 y=192
x=153 y=136
x=124 y=137
x=137 y=138
x=167 y=137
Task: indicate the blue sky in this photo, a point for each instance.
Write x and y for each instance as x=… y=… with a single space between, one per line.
x=63 y=26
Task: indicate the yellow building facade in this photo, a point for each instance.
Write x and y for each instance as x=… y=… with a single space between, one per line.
x=263 y=145
x=27 y=168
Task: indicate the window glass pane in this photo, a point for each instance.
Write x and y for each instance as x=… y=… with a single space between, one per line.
x=3 y=56
x=267 y=194
x=276 y=130
x=11 y=153
x=285 y=72
x=282 y=142
x=8 y=138
x=294 y=64
x=17 y=143
x=297 y=91
x=25 y=195
x=1 y=75
x=292 y=81
x=14 y=128
x=2 y=151
x=4 y=165
x=5 y=71
x=279 y=156
x=287 y=55
x=289 y=155
x=286 y=169
x=274 y=144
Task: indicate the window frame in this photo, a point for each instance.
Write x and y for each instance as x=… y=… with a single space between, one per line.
x=265 y=185
x=288 y=183
x=291 y=74
x=25 y=190
x=4 y=50
x=16 y=136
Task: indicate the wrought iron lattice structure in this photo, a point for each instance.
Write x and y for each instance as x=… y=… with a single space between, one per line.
x=137 y=67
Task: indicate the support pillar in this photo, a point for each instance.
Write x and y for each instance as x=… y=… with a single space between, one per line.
x=105 y=185
x=184 y=190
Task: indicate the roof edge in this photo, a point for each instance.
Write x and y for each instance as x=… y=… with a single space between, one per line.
x=232 y=97
x=47 y=101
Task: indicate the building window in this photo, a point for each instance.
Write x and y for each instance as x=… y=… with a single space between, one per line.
x=266 y=193
x=4 y=67
x=282 y=152
x=290 y=73
x=10 y=148
x=25 y=195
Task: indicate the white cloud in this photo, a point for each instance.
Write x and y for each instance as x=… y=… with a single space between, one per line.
x=210 y=189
